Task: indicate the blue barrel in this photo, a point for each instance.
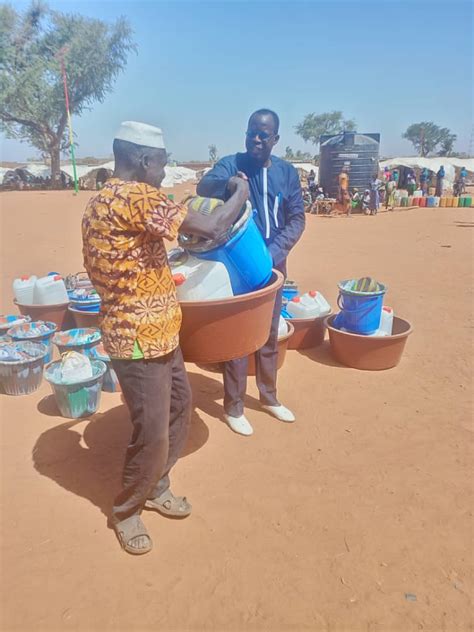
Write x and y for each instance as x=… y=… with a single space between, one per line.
x=431 y=201
x=246 y=257
x=360 y=311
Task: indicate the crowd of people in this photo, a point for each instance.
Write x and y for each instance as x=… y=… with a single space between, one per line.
x=382 y=190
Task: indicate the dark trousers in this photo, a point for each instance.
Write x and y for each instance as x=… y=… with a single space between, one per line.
x=158 y=396
x=235 y=372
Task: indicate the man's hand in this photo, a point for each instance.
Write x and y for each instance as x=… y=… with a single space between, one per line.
x=237 y=183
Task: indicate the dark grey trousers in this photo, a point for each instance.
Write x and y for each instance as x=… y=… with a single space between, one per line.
x=158 y=396
x=235 y=372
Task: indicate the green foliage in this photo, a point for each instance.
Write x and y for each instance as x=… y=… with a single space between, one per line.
x=32 y=104
x=314 y=125
x=427 y=137
x=299 y=155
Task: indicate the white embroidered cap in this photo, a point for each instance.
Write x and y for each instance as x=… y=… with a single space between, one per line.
x=141 y=134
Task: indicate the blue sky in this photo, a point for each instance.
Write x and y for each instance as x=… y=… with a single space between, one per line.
x=203 y=67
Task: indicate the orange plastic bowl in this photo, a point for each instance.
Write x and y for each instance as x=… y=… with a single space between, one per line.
x=226 y=329
x=369 y=353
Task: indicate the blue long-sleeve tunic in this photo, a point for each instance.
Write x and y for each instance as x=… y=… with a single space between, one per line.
x=275 y=194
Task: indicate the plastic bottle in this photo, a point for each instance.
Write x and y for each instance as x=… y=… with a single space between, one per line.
x=23 y=289
x=282 y=327
x=50 y=290
x=199 y=279
x=316 y=298
x=386 y=321
x=299 y=307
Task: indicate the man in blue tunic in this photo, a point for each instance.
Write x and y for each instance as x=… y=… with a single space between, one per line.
x=275 y=193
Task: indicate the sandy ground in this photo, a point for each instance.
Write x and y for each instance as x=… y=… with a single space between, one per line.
x=357 y=517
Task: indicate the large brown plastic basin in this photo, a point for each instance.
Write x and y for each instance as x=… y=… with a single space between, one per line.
x=309 y=332
x=57 y=314
x=367 y=352
x=283 y=342
x=225 y=329
x=282 y=348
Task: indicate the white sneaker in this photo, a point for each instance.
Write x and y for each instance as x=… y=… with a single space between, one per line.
x=240 y=425
x=282 y=413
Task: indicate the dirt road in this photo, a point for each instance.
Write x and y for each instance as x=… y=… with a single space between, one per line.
x=357 y=517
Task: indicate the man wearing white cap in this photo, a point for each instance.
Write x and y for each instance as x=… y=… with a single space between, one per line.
x=124 y=254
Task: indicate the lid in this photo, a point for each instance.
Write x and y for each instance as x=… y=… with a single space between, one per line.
x=24 y=277
x=57 y=278
x=179 y=279
x=313 y=293
x=297 y=299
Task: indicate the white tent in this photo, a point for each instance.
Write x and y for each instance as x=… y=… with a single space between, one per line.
x=174 y=175
x=307 y=167
x=433 y=164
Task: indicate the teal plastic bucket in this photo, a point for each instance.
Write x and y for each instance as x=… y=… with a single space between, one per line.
x=82 y=339
x=37 y=331
x=21 y=367
x=79 y=399
x=360 y=311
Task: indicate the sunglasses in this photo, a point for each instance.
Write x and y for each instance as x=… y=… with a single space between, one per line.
x=264 y=136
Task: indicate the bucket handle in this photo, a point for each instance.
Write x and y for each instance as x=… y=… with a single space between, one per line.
x=357 y=310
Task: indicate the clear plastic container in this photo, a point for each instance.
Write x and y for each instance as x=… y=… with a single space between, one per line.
x=316 y=298
x=299 y=307
x=50 y=290
x=282 y=327
x=23 y=289
x=199 y=279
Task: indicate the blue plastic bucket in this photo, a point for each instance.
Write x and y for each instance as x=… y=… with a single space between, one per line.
x=430 y=201
x=246 y=258
x=80 y=399
x=22 y=375
x=360 y=311
x=110 y=383
x=37 y=331
x=81 y=339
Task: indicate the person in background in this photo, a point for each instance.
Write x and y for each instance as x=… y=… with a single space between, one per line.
x=387 y=174
x=356 y=199
x=123 y=230
x=275 y=193
x=440 y=181
x=311 y=180
x=411 y=182
x=343 y=196
x=390 y=188
x=460 y=184
x=395 y=177
x=424 y=180
x=374 y=204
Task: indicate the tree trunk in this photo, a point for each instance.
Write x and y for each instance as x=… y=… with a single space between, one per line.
x=55 y=154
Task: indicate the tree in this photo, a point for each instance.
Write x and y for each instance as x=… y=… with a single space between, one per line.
x=32 y=106
x=426 y=137
x=289 y=155
x=314 y=125
x=212 y=154
x=303 y=155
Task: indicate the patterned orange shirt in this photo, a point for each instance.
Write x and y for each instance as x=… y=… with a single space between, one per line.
x=124 y=254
